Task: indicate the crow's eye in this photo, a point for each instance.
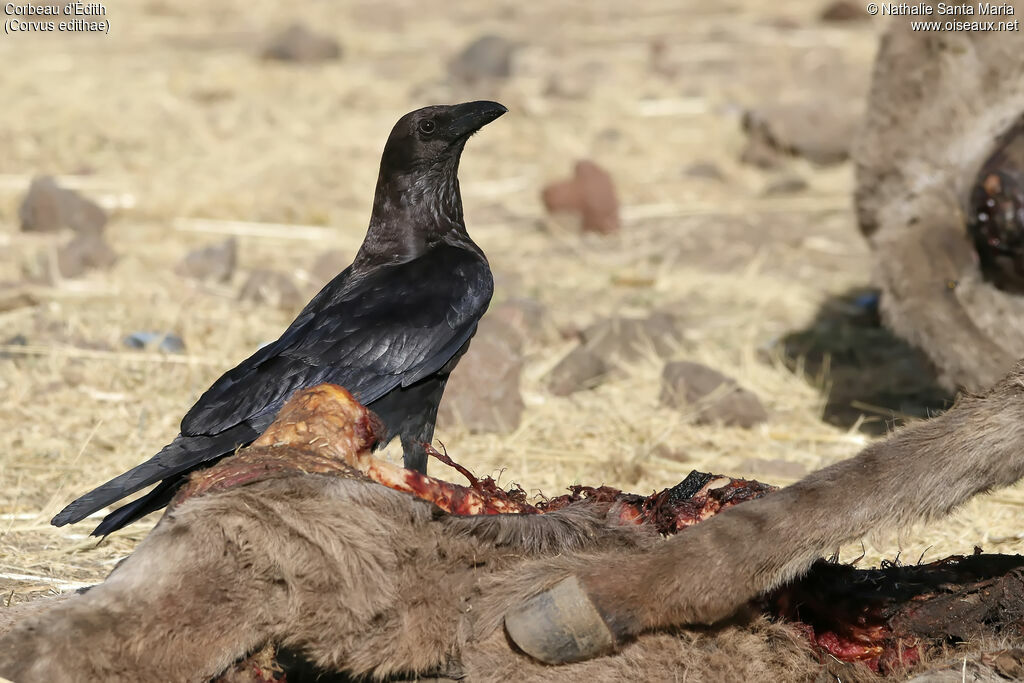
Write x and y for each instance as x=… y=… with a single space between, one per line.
x=427 y=126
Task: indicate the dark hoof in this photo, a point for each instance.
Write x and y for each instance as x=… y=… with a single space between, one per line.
x=560 y=625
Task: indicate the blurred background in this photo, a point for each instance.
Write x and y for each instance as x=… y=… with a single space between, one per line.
x=694 y=295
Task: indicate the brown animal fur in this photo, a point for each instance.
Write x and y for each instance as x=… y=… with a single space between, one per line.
x=939 y=101
x=921 y=473
x=358 y=578
x=364 y=579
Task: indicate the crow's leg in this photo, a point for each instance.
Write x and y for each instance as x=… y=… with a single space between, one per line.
x=410 y=413
x=418 y=429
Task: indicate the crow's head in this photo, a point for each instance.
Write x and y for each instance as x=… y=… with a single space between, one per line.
x=434 y=136
x=418 y=187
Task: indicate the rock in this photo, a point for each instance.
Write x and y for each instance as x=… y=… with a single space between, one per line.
x=84 y=252
x=15 y=295
x=820 y=132
x=16 y=340
x=610 y=135
x=659 y=59
x=163 y=341
x=843 y=10
x=488 y=57
x=215 y=262
x=704 y=169
x=608 y=340
x=580 y=369
x=760 y=153
x=47 y=207
x=568 y=88
x=327 y=266
x=297 y=43
x=692 y=386
x=273 y=288
x=483 y=391
x=782 y=23
x=625 y=337
x=787 y=184
x=590 y=194
x=527 y=317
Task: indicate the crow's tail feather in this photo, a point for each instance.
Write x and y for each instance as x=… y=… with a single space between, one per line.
x=159 y=497
x=181 y=455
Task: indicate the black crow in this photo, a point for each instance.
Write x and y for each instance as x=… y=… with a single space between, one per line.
x=390 y=328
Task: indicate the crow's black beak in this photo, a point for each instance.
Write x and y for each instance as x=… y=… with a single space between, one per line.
x=472 y=116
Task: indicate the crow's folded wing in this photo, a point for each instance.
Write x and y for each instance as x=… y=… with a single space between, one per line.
x=392 y=327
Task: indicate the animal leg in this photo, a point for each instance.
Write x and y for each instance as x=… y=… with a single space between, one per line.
x=706 y=573
x=182 y=607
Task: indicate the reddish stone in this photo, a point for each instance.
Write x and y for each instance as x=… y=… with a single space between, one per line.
x=590 y=193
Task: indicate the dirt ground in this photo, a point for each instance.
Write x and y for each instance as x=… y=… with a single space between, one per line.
x=174 y=123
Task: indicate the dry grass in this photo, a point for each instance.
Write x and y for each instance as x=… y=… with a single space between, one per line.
x=188 y=136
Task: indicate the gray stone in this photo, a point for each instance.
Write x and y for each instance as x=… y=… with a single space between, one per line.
x=528 y=317
x=47 y=207
x=626 y=337
x=16 y=340
x=817 y=131
x=483 y=391
x=604 y=342
x=16 y=295
x=705 y=170
x=215 y=262
x=273 y=288
x=580 y=369
x=760 y=153
x=719 y=399
x=298 y=43
x=85 y=251
x=488 y=57
x=844 y=10
x=786 y=184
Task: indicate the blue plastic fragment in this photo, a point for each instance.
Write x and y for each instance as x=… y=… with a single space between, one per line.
x=867 y=301
x=164 y=341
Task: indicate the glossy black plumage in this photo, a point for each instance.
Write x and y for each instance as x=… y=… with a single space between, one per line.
x=389 y=328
